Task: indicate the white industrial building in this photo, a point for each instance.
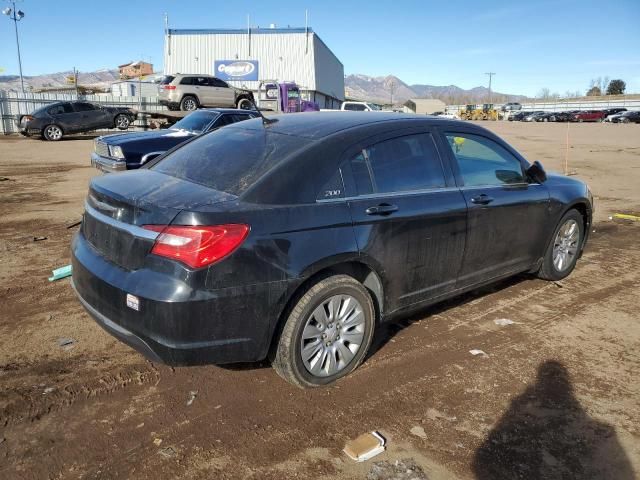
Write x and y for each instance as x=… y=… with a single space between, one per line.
x=246 y=57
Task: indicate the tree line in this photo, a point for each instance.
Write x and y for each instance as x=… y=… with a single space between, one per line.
x=597 y=87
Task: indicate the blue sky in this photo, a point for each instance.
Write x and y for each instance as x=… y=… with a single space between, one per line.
x=559 y=44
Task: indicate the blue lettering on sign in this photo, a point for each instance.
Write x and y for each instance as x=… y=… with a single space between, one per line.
x=236 y=69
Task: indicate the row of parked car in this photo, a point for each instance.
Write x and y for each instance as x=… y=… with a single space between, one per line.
x=612 y=115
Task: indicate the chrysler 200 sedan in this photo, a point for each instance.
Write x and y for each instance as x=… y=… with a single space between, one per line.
x=295 y=237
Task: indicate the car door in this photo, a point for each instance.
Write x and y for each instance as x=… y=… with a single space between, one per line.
x=63 y=115
x=507 y=215
x=88 y=116
x=224 y=94
x=409 y=218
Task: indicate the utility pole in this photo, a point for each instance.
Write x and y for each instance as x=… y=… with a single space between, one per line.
x=491 y=74
x=16 y=16
x=391 y=85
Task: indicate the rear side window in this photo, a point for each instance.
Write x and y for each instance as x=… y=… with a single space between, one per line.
x=60 y=109
x=356 y=107
x=230 y=159
x=398 y=165
x=167 y=79
x=187 y=81
x=483 y=161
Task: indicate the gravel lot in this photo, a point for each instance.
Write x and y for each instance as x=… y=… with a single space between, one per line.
x=556 y=397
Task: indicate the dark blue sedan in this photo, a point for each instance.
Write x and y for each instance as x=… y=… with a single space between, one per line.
x=128 y=151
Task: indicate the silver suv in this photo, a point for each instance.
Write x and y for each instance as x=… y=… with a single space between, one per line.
x=189 y=92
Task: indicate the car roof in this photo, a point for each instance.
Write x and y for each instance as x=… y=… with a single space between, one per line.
x=227 y=110
x=315 y=125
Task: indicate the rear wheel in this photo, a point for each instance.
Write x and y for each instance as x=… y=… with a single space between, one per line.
x=188 y=103
x=562 y=254
x=327 y=333
x=52 y=133
x=244 y=104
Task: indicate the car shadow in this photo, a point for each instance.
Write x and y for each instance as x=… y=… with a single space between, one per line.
x=546 y=433
x=386 y=331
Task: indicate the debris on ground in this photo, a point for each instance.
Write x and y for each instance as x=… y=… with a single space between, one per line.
x=61 y=272
x=6 y=179
x=476 y=352
x=48 y=390
x=39 y=239
x=66 y=343
x=74 y=224
x=625 y=216
x=157 y=441
x=418 y=431
x=405 y=469
x=503 y=322
x=434 y=414
x=366 y=446
x=167 y=452
x=192 y=396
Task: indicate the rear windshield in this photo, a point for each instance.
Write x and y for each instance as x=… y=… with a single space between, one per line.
x=231 y=159
x=196 y=121
x=166 y=80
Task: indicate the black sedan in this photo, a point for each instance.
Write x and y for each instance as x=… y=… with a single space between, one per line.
x=62 y=118
x=127 y=151
x=627 y=117
x=298 y=235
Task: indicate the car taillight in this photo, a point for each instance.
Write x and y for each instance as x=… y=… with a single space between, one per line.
x=169 y=87
x=27 y=118
x=197 y=246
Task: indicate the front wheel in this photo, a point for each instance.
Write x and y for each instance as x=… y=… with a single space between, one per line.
x=562 y=254
x=327 y=333
x=52 y=133
x=122 y=122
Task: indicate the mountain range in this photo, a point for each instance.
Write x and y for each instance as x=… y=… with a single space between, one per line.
x=357 y=86
x=380 y=89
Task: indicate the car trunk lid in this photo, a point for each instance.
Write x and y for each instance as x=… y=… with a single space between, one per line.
x=119 y=206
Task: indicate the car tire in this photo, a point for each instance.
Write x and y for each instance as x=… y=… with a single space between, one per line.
x=244 y=103
x=189 y=103
x=545 y=119
x=624 y=120
x=328 y=357
x=564 y=249
x=122 y=122
x=52 y=133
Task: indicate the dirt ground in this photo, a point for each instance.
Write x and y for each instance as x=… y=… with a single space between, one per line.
x=557 y=395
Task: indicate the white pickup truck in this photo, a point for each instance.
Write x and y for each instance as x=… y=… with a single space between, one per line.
x=359 y=107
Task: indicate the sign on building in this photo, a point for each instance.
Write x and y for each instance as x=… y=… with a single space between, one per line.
x=236 y=69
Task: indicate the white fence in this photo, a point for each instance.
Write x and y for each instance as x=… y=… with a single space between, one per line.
x=566 y=105
x=14 y=104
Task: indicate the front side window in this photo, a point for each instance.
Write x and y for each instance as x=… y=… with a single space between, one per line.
x=398 y=165
x=84 y=107
x=216 y=82
x=483 y=161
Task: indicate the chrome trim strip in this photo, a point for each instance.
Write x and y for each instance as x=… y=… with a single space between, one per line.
x=145 y=158
x=127 y=227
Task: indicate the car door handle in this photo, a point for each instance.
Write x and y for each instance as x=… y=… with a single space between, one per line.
x=382 y=209
x=482 y=199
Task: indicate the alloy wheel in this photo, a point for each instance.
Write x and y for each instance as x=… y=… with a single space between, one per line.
x=190 y=104
x=122 y=122
x=565 y=246
x=332 y=335
x=53 y=132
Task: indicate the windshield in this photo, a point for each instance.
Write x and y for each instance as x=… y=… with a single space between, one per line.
x=195 y=122
x=231 y=159
x=167 y=79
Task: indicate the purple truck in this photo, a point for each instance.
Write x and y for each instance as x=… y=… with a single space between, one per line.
x=284 y=97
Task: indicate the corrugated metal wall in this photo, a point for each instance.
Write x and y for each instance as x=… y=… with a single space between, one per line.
x=281 y=56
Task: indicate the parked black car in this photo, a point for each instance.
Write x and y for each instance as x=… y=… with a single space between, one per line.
x=561 y=117
x=545 y=117
x=54 y=121
x=127 y=151
x=517 y=117
x=298 y=236
x=627 y=117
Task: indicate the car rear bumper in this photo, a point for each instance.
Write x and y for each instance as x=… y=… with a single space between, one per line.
x=107 y=165
x=176 y=324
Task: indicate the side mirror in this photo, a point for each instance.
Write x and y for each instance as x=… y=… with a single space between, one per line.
x=536 y=172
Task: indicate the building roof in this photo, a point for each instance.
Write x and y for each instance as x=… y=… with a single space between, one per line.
x=214 y=31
